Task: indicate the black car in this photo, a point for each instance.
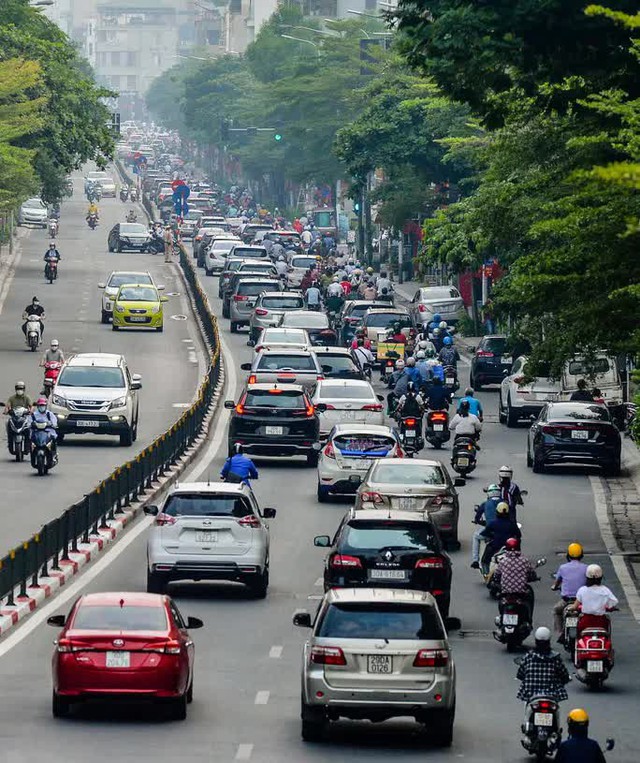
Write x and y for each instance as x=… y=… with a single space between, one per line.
x=134 y=236
x=573 y=432
x=491 y=362
x=397 y=549
x=275 y=420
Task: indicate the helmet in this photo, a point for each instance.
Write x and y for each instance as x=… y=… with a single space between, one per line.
x=437 y=318
x=55 y=344
x=578 y=716
x=543 y=634
x=423 y=344
x=280 y=258
x=370 y=271
x=411 y=362
x=411 y=387
x=20 y=385
x=420 y=355
x=493 y=491
x=443 y=325
x=400 y=364
x=464 y=406
x=52 y=244
x=238 y=449
x=468 y=392
x=335 y=279
x=35 y=300
x=396 y=326
x=436 y=332
x=512 y=544
x=575 y=551
x=594 y=572
x=505 y=471
x=503 y=506
x=41 y=401
x=447 y=341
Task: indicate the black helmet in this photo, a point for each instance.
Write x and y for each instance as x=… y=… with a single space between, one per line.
x=464 y=407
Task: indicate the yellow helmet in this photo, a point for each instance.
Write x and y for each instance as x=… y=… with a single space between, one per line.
x=578 y=715
x=575 y=551
x=502 y=508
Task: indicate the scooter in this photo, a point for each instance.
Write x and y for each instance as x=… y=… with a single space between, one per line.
x=410 y=435
x=463 y=458
x=594 y=654
x=34 y=332
x=53 y=228
x=92 y=221
x=124 y=193
x=43 y=455
x=436 y=430
x=156 y=244
x=51 y=373
x=541 y=733
x=514 y=619
x=451 y=379
x=18 y=434
x=51 y=270
x=134 y=194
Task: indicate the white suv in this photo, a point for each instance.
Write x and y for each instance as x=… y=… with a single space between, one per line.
x=96 y=393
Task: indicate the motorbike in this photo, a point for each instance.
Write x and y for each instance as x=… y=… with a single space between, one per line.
x=43 y=455
x=514 y=619
x=436 y=429
x=593 y=656
x=53 y=228
x=34 y=332
x=451 y=378
x=411 y=435
x=542 y=732
x=124 y=194
x=92 y=221
x=630 y=411
x=156 y=244
x=18 y=433
x=51 y=270
x=463 y=458
x=51 y=373
x=134 y=195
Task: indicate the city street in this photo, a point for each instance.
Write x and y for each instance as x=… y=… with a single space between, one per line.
x=247 y=687
x=167 y=361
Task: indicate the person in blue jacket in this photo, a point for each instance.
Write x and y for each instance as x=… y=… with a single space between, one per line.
x=238 y=467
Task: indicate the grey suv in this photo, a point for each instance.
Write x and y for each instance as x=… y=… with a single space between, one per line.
x=209 y=531
x=269 y=309
x=243 y=298
x=376 y=654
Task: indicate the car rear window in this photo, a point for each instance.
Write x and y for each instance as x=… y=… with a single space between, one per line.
x=250 y=253
x=338 y=363
x=358 y=311
x=363 y=444
x=253 y=288
x=578 y=412
x=409 y=474
x=345 y=392
x=444 y=293
x=496 y=346
x=117 y=618
x=382 y=320
x=588 y=368
x=283 y=303
x=376 y=535
x=274 y=335
x=304 y=262
x=381 y=621
x=278 y=362
x=206 y=505
x=275 y=398
x=308 y=320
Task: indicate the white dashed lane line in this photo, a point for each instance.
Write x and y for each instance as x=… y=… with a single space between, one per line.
x=244 y=751
x=275 y=652
x=262 y=697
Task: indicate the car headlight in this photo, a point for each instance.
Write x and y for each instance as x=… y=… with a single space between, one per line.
x=155 y=310
x=119 y=308
x=119 y=402
x=58 y=400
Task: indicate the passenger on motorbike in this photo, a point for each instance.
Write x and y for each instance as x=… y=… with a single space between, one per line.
x=466 y=424
x=35 y=308
x=363 y=355
x=43 y=414
x=570 y=577
x=19 y=399
x=485 y=514
x=238 y=467
x=391 y=383
x=281 y=266
x=593 y=600
x=514 y=571
x=498 y=531
x=475 y=406
x=578 y=748
x=582 y=394
x=448 y=355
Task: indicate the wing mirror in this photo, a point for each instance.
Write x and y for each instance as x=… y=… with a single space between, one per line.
x=102 y=285
x=229 y=404
x=269 y=513
x=321 y=407
x=380 y=398
x=322 y=541
x=246 y=366
x=57 y=621
x=460 y=482
x=152 y=511
x=136 y=381
x=194 y=622
x=302 y=619
x=452 y=623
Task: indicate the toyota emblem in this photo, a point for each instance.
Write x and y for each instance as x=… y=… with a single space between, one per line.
x=118 y=642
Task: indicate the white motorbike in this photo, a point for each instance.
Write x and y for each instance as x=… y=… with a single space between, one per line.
x=34 y=332
x=53 y=228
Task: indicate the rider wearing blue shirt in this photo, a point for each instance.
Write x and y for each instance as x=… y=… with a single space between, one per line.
x=239 y=468
x=475 y=406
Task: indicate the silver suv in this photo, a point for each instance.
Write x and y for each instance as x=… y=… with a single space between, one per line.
x=377 y=654
x=269 y=309
x=209 y=531
x=244 y=297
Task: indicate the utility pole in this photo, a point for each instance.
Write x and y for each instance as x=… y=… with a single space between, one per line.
x=367 y=221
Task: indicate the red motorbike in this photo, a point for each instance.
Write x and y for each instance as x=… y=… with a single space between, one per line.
x=51 y=373
x=594 y=654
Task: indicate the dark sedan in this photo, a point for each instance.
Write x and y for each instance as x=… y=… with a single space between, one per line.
x=490 y=362
x=572 y=432
x=129 y=236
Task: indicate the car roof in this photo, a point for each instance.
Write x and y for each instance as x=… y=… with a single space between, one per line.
x=377 y=310
x=251 y=246
x=265 y=387
x=293 y=330
x=363 y=428
x=96 y=358
x=114 y=599
x=285 y=351
x=378 y=595
x=135 y=283
x=373 y=304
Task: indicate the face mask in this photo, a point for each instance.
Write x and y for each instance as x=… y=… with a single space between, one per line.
x=19 y=392
x=42 y=408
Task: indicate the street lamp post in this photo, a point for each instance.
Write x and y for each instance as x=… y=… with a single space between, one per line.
x=41 y=3
x=301 y=39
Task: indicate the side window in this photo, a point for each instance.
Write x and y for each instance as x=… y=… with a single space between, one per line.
x=177 y=616
x=517 y=367
x=416 y=296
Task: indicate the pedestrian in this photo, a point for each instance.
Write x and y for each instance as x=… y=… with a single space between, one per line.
x=487 y=317
x=168 y=243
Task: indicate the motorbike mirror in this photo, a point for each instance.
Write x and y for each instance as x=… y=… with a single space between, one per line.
x=610 y=744
x=102 y=285
x=541 y=562
x=452 y=623
x=524 y=493
x=459 y=482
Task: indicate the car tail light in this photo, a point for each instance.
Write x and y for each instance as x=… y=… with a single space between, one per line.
x=64 y=646
x=261 y=311
x=327 y=655
x=240 y=298
x=320 y=377
x=440 y=499
x=483 y=354
x=430 y=563
x=172 y=647
x=344 y=560
x=165 y=519
x=372 y=407
x=249 y=521
x=410 y=422
x=518 y=379
x=397 y=452
x=422 y=308
x=371 y=497
x=240 y=409
x=431 y=658
x=329 y=452
x=252 y=379
x=310 y=410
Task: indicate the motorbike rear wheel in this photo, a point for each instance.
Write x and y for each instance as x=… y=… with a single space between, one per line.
x=41 y=464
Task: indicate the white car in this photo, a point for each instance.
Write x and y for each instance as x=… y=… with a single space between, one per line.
x=347 y=455
x=346 y=400
x=278 y=337
x=111 y=286
x=33 y=212
x=297 y=266
x=107 y=183
x=520 y=397
x=217 y=253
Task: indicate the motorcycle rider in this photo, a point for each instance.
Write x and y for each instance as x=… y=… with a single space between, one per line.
x=410 y=404
x=54 y=354
x=448 y=355
x=35 y=308
x=334 y=289
x=465 y=424
x=132 y=217
x=281 y=266
x=569 y=578
x=475 y=406
x=19 y=399
x=582 y=394
x=593 y=600
x=541 y=672
x=578 y=748
x=313 y=297
x=383 y=282
x=363 y=355
x=396 y=335
x=514 y=571
x=510 y=491
x=438 y=397
x=498 y=532
x=485 y=514
x=51 y=255
x=92 y=210
x=42 y=413
x=238 y=467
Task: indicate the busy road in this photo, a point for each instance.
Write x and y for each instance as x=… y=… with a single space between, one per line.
x=247 y=684
x=167 y=362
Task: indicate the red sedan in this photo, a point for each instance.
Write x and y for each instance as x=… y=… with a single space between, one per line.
x=124 y=645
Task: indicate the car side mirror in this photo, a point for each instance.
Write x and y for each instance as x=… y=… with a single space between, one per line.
x=452 y=623
x=269 y=513
x=302 y=619
x=246 y=366
x=459 y=482
x=193 y=623
x=322 y=541
x=164 y=299
x=229 y=404
x=102 y=285
x=57 y=621
x=160 y=287
x=380 y=398
x=136 y=383
x=321 y=407
x=610 y=744
x=355 y=479
x=152 y=510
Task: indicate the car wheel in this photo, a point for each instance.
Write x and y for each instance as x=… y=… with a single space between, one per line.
x=314 y=723
x=59 y=706
x=104 y=316
x=61 y=437
x=613 y=469
x=156 y=583
x=114 y=327
x=233 y=327
x=529 y=459
x=190 y=692
x=119 y=249
x=178 y=708
x=322 y=493
x=126 y=438
x=501 y=412
x=538 y=462
x=441 y=727
x=208 y=272
x=312 y=458
x=225 y=310
x=134 y=432
x=473 y=382
x=259 y=587
x=511 y=414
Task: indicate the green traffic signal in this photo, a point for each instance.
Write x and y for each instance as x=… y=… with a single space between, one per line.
x=278 y=137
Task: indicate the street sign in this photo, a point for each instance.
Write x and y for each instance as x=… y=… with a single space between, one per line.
x=181 y=193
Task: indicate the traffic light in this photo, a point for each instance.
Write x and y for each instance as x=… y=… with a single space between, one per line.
x=277 y=137
x=356 y=206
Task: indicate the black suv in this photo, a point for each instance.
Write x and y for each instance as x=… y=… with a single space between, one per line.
x=400 y=549
x=275 y=420
x=491 y=362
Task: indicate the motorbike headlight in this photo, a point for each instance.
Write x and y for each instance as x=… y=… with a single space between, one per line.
x=58 y=400
x=119 y=309
x=119 y=402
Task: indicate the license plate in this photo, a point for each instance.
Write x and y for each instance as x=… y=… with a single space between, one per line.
x=450 y=380
x=207 y=536
x=510 y=619
x=348 y=415
x=438 y=427
x=118 y=660
x=543 y=719
x=137 y=319
x=463 y=462
x=505 y=362
x=87 y=423
x=379 y=663
x=410 y=434
x=595 y=666
x=579 y=434
x=387 y=574
x=571 y=622
x=406 y=503
x=274 y=430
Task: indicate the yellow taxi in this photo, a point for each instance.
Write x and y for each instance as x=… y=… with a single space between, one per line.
x=138 y=306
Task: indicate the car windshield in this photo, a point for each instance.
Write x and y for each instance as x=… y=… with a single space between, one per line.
x=137 y=294
x=344 y=391
x=579 y=412
x=283 y=303
x=128 y=229
x=408 y=474
x=206 y=505
x=381 y=621
x=379 y=534
x=304 y=262
x=91 y=376
x=117 y=618
x=364 y=444
x=250 y=253
x=118 y=279
x=272 y=362
x=440 y=293
x=383 y=320
x=253 y=288
x=34 y=204
x=275 y=398
x=306 y=320
x=495 y=345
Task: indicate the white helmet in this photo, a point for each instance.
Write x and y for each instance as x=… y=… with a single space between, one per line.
x=505 y=471
x=543 y=634
x=280 y=258
x=594 y=572
x=423 y=344
x=55 y=344
x=399 y=364
x=420 y=355
x=411 y=362
x=335 y=279
x=443 y=325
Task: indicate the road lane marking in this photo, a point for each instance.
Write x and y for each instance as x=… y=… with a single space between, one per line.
x=262 y=697
x=244 y=751
x=319 y=582
x=275 y=652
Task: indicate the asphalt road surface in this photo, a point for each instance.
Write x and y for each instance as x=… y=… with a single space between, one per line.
x=247 y=686
x=72 y=304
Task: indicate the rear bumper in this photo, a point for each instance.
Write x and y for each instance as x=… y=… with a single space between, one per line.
x=241 y=570
x=555 y=454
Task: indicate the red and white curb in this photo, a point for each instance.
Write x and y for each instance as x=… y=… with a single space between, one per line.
x=47 y=586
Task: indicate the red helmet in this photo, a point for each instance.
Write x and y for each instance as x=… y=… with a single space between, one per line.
x=42 y=401
x=512 y=544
